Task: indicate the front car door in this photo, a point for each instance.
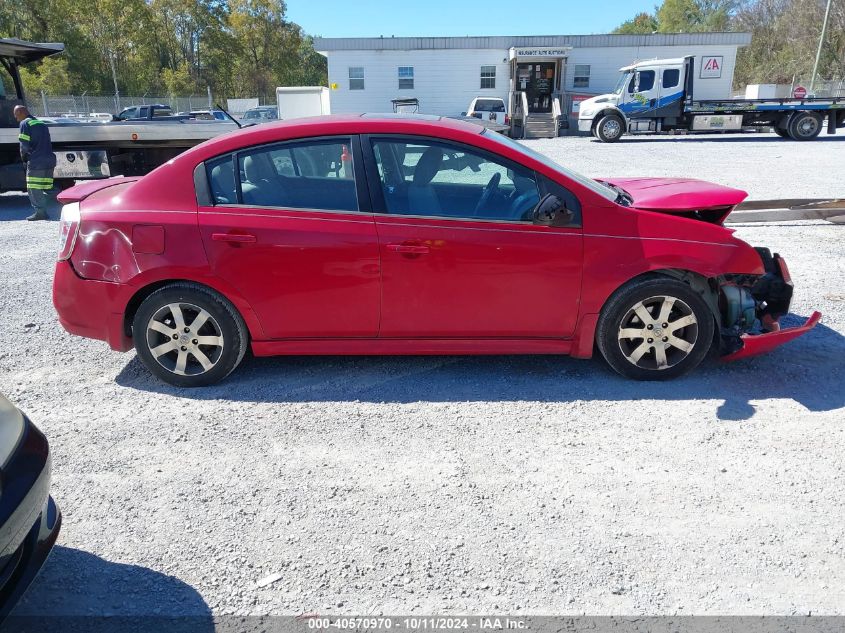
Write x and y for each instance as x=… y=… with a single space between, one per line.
x=287 y=227
x=641 y=94
x=460 y=254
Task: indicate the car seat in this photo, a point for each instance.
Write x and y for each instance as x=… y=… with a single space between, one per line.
x=422 y=198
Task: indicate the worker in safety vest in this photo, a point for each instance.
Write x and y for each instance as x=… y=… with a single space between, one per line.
x=37 y=153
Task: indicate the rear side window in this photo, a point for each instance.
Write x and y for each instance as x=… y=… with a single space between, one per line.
x=671 y=77
x=305 y=175
x=221 y=180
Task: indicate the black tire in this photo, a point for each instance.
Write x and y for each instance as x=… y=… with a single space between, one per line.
x=211 y=350
x=610 y=128
x=804 y=126
x=781 y=132
x=619 y=319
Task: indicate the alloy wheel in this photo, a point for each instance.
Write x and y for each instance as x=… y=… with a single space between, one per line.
x=184 y=339
x=658 y=333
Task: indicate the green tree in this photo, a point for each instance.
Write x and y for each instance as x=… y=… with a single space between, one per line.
x=641 y=24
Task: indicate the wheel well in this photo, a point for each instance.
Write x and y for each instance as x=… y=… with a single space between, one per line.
x=598 y=117
x=707 y=287
x=138 y=298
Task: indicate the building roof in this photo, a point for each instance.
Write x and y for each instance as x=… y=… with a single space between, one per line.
x=504 y=42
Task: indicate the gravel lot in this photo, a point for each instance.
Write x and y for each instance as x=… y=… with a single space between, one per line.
x=451 y=485
x=765 y=165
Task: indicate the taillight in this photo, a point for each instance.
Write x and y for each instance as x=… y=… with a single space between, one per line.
x=507 y=120
x=68 y=229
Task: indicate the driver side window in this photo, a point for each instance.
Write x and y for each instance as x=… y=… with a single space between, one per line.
x=436 y=179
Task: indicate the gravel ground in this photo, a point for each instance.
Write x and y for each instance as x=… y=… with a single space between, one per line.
x=765 y=165
x=442 y=485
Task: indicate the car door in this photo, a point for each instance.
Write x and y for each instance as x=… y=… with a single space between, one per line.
x=460 y=254
x=641 y=94
x=287 y=227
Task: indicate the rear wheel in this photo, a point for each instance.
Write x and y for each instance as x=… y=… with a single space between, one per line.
x=804 y=126
x=781 y=132
x=188 y=335
x=655 y=329
x=610 y=128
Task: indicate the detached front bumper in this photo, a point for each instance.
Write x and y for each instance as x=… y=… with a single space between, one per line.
x=756 y=344
x=772 y=294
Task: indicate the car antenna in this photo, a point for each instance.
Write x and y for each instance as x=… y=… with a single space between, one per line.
x=234 y=120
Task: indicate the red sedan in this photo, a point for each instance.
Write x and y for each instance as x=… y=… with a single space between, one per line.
x=408 y=235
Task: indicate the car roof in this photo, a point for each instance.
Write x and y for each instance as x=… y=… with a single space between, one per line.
x=331 y=125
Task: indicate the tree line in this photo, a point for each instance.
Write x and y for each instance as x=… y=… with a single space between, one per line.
x=238 y=48
x=784 y=34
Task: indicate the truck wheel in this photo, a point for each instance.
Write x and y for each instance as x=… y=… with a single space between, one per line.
x=655 y=329
x=781 y=133
x=610 y=128
x=188 y=335
x=804 y=126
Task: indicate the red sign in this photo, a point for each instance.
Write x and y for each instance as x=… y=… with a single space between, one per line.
x=800 y=92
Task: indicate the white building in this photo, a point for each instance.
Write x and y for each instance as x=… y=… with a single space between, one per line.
x=445 y=73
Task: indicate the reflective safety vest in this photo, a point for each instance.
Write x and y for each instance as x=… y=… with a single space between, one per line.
x=36 y=147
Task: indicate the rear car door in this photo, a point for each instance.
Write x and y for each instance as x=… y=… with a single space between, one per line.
x=289 y=227
x=461 y=256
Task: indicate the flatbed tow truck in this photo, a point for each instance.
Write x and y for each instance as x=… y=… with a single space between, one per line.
x=86 y=151
x=657 y=96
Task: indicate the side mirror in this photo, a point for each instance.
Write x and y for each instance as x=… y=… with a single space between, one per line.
x=551 y=211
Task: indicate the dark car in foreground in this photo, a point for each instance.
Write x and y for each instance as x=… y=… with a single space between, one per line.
x=29 y=518
x=384 y=234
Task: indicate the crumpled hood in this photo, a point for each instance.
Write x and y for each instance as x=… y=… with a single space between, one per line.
x=680 y=195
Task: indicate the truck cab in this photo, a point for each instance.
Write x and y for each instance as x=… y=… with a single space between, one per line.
x=648 y=97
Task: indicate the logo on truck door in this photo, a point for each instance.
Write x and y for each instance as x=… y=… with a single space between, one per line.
x=711 y=67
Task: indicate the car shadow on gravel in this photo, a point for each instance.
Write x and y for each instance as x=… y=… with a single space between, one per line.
x=808 y=371
x=78 y=591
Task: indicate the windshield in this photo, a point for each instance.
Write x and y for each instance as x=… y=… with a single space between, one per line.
x=620 y=85
x=595 y=186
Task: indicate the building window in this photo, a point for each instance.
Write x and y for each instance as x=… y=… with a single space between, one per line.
x=406 y=77
x=582 y=76
x=488 y=76
x=356 y=77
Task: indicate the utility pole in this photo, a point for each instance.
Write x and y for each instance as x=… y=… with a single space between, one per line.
x=819 y=51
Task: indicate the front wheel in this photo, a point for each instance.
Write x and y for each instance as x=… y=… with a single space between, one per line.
x=188 y=335
x=610 y=128
x=655 y=329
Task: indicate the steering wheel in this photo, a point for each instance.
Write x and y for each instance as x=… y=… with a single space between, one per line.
x=489 y=188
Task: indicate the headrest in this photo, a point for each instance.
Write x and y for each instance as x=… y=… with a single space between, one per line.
x=428 y=166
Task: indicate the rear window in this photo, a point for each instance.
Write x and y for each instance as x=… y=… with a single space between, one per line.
x=489 y=105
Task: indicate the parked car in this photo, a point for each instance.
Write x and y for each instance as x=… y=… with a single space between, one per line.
x=408 y=235
x=206 y=115
x=260 y=114
x=489 y=109
x=29 y=518
x=149 y=112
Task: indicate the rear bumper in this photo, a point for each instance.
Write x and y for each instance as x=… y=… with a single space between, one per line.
x=30 y=519
x=755 y=344
x=85 y=307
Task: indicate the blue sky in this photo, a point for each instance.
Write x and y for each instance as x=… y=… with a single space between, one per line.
x=371 y=18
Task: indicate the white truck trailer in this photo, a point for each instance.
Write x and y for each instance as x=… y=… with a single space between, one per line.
x=659 y=96
x=300 y=101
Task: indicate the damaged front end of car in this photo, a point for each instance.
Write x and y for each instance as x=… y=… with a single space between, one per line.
x=751 y=307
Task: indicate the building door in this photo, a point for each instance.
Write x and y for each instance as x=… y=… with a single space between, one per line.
x=538 y=81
